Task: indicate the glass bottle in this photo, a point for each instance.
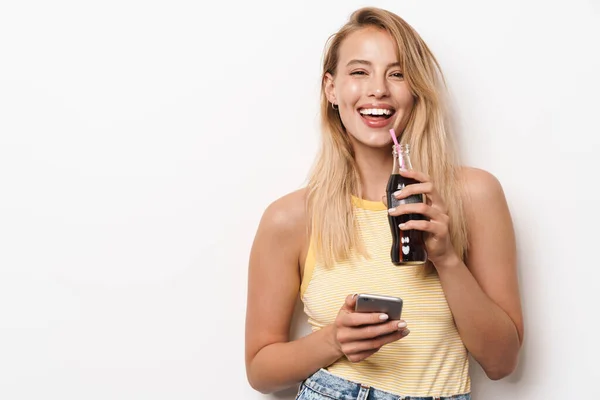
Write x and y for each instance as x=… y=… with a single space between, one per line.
x=408 y=246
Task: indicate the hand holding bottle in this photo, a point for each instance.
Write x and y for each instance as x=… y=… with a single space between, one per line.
x=437 y=241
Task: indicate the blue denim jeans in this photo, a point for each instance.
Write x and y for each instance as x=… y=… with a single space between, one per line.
x=322 y=385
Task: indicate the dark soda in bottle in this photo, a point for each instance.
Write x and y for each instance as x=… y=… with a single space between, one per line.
x=408 y=247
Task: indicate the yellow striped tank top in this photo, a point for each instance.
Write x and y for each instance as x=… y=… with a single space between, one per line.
x=431 y=360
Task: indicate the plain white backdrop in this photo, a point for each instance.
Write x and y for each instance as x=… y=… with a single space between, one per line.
x=140 y=143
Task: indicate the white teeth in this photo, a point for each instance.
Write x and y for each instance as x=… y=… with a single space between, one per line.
x=375 y=111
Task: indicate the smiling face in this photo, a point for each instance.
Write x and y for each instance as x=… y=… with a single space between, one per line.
x=369 y=88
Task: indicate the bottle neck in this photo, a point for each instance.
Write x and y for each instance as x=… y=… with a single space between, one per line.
x=401 y=155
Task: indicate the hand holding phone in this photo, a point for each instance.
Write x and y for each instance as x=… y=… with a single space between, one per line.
x=360 y=334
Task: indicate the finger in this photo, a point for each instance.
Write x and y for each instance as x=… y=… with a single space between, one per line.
x=434 y=227
x=414 y=188
x=370 y=331
x=418 y=208
x=416 y=175
x=431 y=195
x=354 y=319
x=350 y=302
x=372 y=344
x=384 y=200
x=361 y=356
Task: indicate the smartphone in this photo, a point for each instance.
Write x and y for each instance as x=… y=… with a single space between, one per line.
x=392 y=306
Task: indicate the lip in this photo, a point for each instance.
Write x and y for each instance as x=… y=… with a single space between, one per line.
x=377 y=123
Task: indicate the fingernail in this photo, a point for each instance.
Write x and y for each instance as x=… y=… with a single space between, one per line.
x=392 y=210
x=401 y=325
x=397 y=193
x=402 y=226
x=383 y=317
x=405 y=332
x=354 y=295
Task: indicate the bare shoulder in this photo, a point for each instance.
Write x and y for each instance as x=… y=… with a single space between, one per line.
x=283 y=229
x=489 y=221
x=480 y=185
x=287 y=214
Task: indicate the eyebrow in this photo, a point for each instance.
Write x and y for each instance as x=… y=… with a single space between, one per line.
x=369 y=63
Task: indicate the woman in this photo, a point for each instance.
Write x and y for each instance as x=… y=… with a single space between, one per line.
x=332 y=240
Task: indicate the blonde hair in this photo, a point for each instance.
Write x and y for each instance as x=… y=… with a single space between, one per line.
x=334 y=178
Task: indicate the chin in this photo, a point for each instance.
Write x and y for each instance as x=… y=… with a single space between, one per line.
x=376 y=140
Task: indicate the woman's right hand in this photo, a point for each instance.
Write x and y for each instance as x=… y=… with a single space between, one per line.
x=360 y=335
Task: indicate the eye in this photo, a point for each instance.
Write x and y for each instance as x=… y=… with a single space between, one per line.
x=398 y=75
x=358 y=73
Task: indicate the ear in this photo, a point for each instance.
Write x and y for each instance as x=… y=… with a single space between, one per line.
x=329 y=88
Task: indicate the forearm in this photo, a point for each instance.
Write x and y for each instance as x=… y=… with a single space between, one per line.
x=281 y=365
x=487 y=331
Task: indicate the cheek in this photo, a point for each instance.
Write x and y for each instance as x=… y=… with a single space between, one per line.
x=349 y=92
x=406 y=104
x=405 y=98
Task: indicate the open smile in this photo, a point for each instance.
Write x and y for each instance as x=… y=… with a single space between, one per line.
x=376 y=116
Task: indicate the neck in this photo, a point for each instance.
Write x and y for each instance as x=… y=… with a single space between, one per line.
x=374 y=169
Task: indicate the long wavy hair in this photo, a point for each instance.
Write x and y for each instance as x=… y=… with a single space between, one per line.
x=334 y=177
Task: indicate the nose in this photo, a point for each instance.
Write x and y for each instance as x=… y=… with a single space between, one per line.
x=378 y=87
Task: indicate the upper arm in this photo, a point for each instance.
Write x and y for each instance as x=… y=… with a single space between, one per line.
x=491 y=256
x=273 y=273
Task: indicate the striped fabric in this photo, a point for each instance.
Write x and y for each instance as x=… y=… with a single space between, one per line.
x=431 y=360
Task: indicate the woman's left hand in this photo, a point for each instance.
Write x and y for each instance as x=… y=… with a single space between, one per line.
x=437 y=237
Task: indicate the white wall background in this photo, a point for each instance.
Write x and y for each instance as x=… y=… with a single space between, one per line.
x=141 y=141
